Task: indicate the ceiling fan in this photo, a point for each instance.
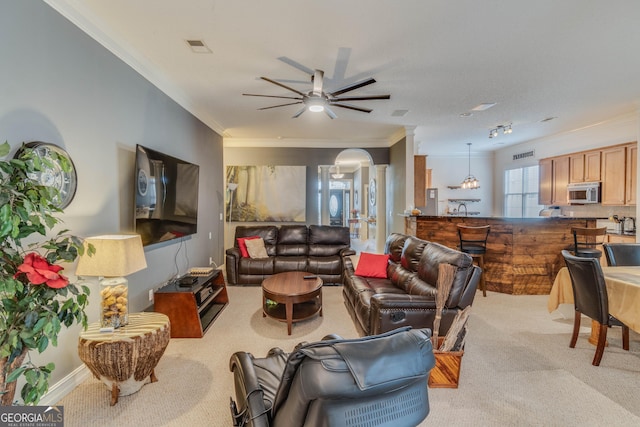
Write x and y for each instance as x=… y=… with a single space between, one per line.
x=318 y=100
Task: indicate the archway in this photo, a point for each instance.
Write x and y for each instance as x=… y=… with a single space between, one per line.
x=348 y=196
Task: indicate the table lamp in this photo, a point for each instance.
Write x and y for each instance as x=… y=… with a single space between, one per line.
x=116 y=256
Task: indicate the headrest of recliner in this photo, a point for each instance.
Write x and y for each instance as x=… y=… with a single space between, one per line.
x=373 y=361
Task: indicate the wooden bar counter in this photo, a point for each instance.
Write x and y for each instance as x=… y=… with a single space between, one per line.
x=523 y=254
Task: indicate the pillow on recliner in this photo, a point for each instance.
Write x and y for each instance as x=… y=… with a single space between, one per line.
x=372 y=265
x=243 y=246
x=256 y=248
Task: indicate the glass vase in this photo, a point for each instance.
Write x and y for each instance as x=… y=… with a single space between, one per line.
x=114 y=307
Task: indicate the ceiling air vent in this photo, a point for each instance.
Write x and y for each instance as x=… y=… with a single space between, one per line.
x=524 y=155
x=399 y=113
x=198 y=46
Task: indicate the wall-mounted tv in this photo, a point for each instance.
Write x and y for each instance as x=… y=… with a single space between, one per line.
x=166 y=189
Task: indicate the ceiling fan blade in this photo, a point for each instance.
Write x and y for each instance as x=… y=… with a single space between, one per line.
x=330 y=113
x=318 y=77
x=299 y=113
x=353 y=107
x=281 y=105
x=297 y=65
x=283 y=86
x=360 y=98
x=272 y=96
x=353 y=86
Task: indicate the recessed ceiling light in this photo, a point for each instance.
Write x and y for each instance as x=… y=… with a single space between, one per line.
x=467 y=114
x=198 y=46
x=548 y=119
x=484 y=106
x=399 y=113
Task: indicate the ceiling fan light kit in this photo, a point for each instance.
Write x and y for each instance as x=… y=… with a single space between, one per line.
x=317 y=100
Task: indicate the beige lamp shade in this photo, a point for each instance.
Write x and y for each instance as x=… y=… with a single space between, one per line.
x=116 y=255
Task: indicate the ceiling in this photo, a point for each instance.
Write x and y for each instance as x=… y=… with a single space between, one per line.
x=574 y=61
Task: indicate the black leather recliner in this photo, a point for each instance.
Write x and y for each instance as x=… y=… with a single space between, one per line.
x=380 y=379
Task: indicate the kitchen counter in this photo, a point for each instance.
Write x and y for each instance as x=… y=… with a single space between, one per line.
x=523 y=254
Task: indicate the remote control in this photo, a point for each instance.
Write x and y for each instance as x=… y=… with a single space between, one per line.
x=310 y=277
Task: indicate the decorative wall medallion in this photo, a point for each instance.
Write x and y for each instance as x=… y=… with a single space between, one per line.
x=58 y=171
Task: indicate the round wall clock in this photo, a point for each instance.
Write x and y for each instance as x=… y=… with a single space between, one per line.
x=372 y=192
x=58 y=171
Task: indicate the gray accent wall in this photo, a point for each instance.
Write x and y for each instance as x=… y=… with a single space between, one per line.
x=58 y=85
x=310 y=157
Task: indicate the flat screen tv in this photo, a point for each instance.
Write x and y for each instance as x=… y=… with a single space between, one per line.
x=166 y=189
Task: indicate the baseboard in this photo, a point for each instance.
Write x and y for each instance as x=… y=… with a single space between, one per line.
x=65 y=386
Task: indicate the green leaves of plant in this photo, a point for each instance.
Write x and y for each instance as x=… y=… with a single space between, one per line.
x=31 y=316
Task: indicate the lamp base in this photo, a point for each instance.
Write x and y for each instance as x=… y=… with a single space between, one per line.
x=114 y=292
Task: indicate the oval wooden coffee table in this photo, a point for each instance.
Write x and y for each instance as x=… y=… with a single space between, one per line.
x=298 y=298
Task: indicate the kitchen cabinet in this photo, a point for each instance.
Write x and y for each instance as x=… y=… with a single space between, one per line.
x=584 y=167
x=545 y=182
x=560 y=180
x=631 y=174
x=613 y=176
x=615 y=167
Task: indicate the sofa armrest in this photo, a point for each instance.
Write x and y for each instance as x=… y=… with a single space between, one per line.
x=389 y=301
x=347 y=252
x=392 y=311
x=469 y=291
x=231 y=264
x=249 y=395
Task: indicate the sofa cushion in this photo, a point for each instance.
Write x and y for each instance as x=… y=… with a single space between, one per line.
x=394 y=246
x=269 y=234
x=292 y=240
x=243 y=246
x=256 y=248
x=290 y=263
x=372 y=265
x=435 y=254
x=326 y=240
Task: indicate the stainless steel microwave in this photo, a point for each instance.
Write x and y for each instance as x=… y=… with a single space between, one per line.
x=584 y=193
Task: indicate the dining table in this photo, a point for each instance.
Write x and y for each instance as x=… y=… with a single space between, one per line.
x=623 y=290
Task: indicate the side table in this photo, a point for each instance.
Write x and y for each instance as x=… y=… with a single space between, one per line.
x=125 y=359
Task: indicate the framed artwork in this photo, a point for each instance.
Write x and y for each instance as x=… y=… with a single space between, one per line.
x=266 y=193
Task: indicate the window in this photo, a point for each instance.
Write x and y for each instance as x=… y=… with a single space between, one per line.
x=521 y=192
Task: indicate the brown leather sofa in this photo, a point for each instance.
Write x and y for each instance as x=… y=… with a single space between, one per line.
x=317 y=249
x=407 y=296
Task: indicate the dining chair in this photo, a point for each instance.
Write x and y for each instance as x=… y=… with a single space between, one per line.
x=591 y=299
x=473 y=241
x=622 y=254
x=586 y=240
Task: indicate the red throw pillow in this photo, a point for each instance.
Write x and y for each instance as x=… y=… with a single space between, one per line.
x=243 y=246
x=372 y=265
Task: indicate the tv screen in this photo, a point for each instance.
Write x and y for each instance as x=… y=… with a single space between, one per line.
x=166 y=190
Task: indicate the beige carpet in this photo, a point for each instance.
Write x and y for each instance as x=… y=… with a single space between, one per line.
x=517 y=369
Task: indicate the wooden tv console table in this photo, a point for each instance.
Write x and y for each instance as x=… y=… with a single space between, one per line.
x=192 y=309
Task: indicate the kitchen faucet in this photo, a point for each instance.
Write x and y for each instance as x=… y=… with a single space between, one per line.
x=466 y=213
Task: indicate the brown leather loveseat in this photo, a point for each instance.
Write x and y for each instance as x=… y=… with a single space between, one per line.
x=406 y=296
x=317 y=249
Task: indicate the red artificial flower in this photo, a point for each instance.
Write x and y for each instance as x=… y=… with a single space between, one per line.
x=39 y=271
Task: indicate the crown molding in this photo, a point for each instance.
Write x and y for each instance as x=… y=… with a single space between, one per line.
x=79 y=15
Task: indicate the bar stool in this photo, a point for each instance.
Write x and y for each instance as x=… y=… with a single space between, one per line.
x=586 y=239
x=473 y=241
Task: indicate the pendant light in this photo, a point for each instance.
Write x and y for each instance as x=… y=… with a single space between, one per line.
x=470 y=181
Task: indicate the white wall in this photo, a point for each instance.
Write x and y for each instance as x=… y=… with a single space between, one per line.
x=58 y=85
x=451 y=171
